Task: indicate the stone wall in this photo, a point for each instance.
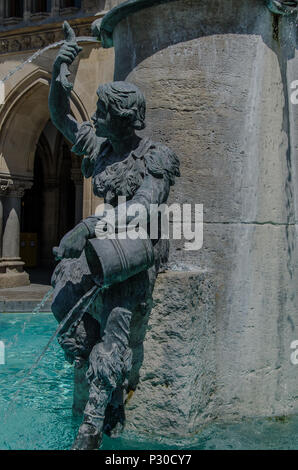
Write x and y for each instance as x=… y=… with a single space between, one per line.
x=216 y=75
x=174 y=368
x=177 y=385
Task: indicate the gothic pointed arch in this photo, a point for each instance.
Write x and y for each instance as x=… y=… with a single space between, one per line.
x=22 y=119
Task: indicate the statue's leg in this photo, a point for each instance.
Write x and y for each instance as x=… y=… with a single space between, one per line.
x=106 y=412
x=80 y=390
x=109 y=365
x=90 y=433
x=115 y=414
x=134 y=294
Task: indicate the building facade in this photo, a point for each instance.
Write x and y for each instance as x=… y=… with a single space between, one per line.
x=43 y=193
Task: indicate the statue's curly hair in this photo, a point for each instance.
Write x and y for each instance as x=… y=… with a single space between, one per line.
x=124 y=100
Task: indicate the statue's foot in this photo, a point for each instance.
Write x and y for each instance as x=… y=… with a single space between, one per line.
x=114 y=421
x=88 y=438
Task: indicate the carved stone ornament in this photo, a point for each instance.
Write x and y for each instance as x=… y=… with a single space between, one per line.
x=14 y=188
x=38 y=38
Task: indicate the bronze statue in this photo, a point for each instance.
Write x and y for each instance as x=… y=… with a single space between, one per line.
x=121 y=164
x=282 y=7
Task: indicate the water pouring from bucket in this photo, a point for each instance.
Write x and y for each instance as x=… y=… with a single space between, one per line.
x=81 y=305
x=34 y=312
x=110 y=261
x=115 y=260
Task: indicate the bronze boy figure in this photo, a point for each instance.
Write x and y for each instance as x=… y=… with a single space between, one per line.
x=120 y=164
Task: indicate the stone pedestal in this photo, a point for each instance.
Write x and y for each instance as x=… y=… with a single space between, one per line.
x=177 y=384
x=175 y=363
x=12 y=272
x=217 y=78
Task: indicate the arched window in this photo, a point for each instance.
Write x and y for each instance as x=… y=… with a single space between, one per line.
x=15 y=9
x=39 y=6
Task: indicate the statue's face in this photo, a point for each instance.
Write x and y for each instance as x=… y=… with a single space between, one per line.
x=283 y=7
x=106 y=124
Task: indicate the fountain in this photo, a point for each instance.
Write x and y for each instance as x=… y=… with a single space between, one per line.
x=120 y=271
x=216 y=75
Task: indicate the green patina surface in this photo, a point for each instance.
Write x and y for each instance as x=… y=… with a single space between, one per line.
x=114 y=16
x=104 y=28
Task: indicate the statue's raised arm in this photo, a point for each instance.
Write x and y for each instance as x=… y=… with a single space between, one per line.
x=59 y=97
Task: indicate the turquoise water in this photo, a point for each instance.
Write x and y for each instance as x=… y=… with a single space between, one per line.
x=39 y=417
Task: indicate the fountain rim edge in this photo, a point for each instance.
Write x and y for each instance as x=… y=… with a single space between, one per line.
x=124 y=9
x=118 y=13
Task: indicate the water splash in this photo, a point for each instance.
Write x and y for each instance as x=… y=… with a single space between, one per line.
x=33 y=57
x=34 y=312
x=42 y=303
x=90 y=296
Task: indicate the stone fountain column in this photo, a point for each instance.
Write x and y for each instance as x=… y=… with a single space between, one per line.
x=217 y=78
x=55 y=7
x=12 y=273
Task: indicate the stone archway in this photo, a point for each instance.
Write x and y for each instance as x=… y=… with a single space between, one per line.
x=23 y=119
x=54 y=203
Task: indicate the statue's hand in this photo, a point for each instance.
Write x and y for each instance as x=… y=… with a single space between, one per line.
x=67 y=54
x=73 y=243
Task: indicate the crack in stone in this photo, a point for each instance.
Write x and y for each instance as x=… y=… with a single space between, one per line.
x=254 y=222
x=243 y=222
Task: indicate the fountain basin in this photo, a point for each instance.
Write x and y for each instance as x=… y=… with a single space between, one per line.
x=217 y=78
x=42 y=412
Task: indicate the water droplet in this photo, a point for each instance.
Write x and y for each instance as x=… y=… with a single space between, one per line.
x=41 y=51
